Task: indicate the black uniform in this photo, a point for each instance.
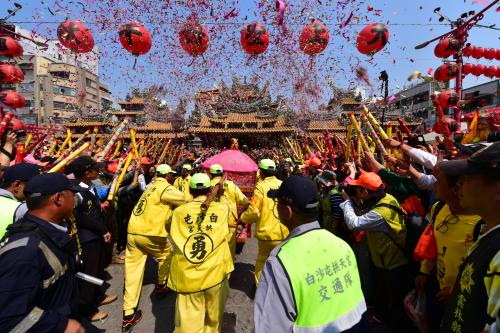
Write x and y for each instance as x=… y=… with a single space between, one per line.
x=38 y=290
x=91 y=227
x=466 y=308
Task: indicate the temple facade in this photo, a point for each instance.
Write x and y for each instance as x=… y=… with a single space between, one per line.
x=243 y=111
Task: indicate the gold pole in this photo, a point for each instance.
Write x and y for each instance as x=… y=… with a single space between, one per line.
x=70 y=157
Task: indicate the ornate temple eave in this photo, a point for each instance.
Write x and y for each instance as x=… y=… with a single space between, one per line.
x=138 y=135
x=199 y=130
x=89 y=124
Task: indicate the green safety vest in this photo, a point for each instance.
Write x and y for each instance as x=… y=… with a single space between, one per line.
x=8 y=207
x=326 y=207
x=324 y=276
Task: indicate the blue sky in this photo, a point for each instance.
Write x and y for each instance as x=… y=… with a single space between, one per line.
x=410 y=23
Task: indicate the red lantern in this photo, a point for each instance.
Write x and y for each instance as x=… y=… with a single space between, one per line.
x=446 y=47
x=135 y=38
x=490 y=71
x=372 y=38
x=467 y=51
x=75 y=36
x=10 y=74
x=490 y=54
x=446 y=72
x=498 y=72
x=467 y=68
x=478 y=69
x=193 y=38
x=10 y=47
x=478 y=52
x=254 y=38
x=448 y=98
x=497 y=55
x=314 y=38
x=17 y=125
x=12 y=99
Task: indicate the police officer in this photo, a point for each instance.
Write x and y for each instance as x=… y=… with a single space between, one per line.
x=38 y=290
x=12 y=195
x=310 y=282
x=147 y=235
x=92 y=233
x=233 y=197
x=201 y=261
x=262 y=211
x=182 y=182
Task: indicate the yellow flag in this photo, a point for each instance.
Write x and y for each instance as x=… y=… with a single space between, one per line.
x=471 y=134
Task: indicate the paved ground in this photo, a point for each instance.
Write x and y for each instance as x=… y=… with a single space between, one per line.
x=158 y=314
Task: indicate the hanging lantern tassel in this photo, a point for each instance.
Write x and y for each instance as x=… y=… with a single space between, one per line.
x=135 y=63
x=280 y=8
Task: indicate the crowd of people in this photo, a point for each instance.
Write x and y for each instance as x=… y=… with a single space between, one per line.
x=341 y=247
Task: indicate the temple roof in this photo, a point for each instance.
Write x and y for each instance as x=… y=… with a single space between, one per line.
x=127 y=113
x=89 y=124
x=321 y=125
x=242 y=118
x=260 y=125
x=155 y=126
x=134 y=100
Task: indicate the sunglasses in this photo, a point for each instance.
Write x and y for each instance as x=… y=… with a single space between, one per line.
x=449 y=220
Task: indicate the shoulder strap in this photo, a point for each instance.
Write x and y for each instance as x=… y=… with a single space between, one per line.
x=388 y=234
x=394 y=208
x=437 y=208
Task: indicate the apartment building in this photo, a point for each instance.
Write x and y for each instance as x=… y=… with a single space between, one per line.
x=57 y=83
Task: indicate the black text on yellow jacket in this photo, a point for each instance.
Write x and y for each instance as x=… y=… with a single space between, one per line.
x=201 y=257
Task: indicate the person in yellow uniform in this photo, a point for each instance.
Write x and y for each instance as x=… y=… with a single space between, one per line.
x=270 y=232
x=201 y=262
x=182 y=182
x=233 y=197
x=147 y=235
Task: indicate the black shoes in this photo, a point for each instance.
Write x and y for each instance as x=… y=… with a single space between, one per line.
x=130 y=321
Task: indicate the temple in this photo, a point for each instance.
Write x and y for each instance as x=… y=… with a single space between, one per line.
x=133 y=109
x=244 y=111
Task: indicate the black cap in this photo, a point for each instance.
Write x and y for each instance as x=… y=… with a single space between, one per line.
x=299 y=192
x=326 y=177
x=22 y=172
x=470 y=149
x=83 y=163
x=486 y=160
x=49 y=183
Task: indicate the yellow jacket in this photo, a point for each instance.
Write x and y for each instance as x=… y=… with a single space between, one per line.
x=154 y=208
x=201 y=258
x=262 y=211
x=232 y=197
x=182 y=184
x=454 y=236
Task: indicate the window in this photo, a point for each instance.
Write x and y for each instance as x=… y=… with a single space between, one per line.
x=61 y=105
x=40 y=87
x=89 y=82
x=60 y=74
x=27 y=87
x=63 y=91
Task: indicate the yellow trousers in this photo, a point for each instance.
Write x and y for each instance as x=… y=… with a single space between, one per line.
x=231 y=239
x=201 y=312
x=138 y=249
x=265 y=248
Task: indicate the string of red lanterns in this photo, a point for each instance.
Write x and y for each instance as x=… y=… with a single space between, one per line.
x=194 y=39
